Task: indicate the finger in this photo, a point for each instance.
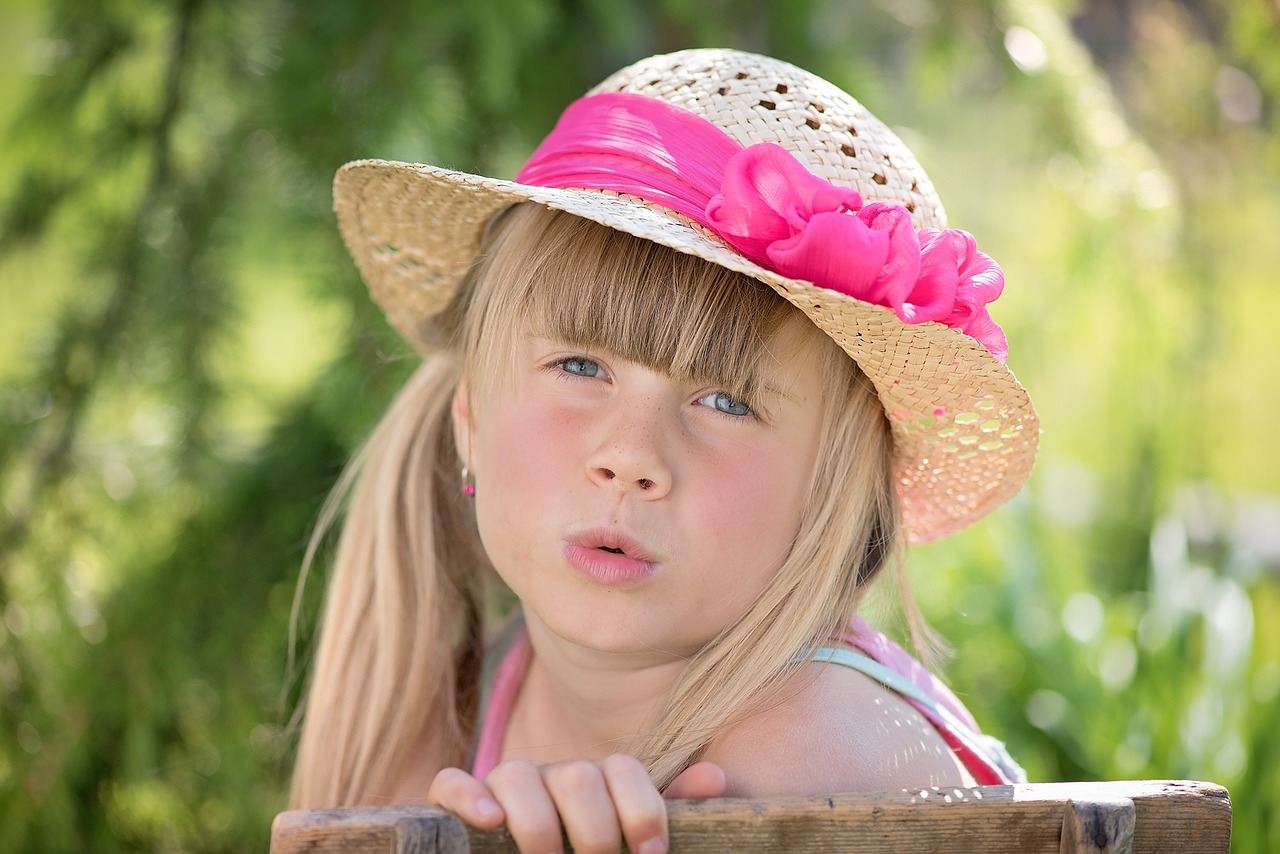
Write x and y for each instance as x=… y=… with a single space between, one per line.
x=466 y=797
x=531 y=814
x=641 y=810
x=585 y=805
x=700 y=780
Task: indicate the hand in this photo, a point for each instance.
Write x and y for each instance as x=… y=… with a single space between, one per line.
x=600 y=803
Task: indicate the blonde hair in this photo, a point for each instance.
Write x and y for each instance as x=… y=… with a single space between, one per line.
x=399 y=655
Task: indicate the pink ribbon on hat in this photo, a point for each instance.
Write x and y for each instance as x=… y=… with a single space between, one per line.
x=764 y=203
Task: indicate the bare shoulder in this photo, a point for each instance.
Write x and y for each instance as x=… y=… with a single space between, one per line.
x=833 y=729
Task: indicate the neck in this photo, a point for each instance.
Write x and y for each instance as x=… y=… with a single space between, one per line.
x=578 y=703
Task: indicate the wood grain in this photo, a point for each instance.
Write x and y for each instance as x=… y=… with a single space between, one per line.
x=1145 y=816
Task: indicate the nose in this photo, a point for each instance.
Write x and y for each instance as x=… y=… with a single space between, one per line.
x=630 y=456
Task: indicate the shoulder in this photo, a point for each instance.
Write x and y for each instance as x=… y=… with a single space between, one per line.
x=832 y=729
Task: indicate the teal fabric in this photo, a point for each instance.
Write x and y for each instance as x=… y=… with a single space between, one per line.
x=991 y=749
x=891 y=679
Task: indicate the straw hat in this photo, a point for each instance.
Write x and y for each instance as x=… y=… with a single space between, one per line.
x=964 y=430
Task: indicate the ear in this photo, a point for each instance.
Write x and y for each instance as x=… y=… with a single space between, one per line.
x=461 y=412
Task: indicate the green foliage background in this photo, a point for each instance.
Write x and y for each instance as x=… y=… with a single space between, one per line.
x=187 y=356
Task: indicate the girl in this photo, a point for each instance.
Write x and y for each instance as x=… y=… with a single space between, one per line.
x=691 y=380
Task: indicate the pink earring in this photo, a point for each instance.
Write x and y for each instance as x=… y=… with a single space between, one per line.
x=468 y=483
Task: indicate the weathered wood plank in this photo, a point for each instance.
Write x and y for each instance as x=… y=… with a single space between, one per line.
x=431 y=835
x=369 y=830
x=1103 y=826
x=1167 y=816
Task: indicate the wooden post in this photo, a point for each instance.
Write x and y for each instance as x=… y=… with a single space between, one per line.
x=366 y=830
x=1101 y=826
x=437 y=834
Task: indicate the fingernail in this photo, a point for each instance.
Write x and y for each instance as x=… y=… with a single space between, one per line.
x=652 y=846
x=487 y=806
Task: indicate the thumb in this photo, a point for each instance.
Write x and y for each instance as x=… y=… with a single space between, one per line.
x=700 y=780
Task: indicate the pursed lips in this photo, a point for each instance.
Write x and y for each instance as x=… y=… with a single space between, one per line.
x=610 y=557
x=613 y=541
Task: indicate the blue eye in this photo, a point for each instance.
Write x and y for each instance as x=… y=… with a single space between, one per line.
x=580 y=367
x=722 y=402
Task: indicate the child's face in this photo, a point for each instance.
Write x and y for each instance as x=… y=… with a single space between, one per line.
x=580 y=453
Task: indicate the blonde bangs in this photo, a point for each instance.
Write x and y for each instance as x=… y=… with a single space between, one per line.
x=565 y=278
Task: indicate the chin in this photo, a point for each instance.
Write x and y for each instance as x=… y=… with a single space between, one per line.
x=613 y=634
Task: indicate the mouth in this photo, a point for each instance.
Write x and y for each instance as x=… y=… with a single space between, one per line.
x=609 y=556
x=612 y=541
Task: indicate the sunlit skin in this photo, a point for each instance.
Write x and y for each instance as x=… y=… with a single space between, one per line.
x=635 y=516
x=702 y=492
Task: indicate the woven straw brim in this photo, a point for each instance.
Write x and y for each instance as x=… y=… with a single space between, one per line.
x=965 y=431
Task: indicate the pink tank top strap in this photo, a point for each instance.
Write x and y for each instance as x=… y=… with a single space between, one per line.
x=496 y=710
x=983 y=756
x=880 y=648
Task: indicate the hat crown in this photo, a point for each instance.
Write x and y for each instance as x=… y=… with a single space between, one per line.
x=759 y=99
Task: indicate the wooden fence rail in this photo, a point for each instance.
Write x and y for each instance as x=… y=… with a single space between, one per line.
x=1145 y=816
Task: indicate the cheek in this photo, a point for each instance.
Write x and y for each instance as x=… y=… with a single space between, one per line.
x=521 y=457
x=758 y=502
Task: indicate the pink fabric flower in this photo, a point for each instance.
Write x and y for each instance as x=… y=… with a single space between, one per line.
x=955 y=284
x=767 y=196
x=783 y=217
